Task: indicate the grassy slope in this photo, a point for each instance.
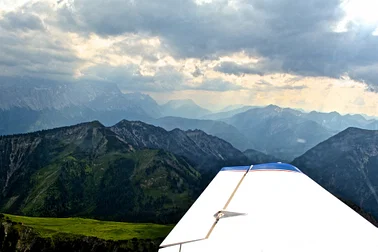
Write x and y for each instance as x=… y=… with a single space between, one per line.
x=107 y=230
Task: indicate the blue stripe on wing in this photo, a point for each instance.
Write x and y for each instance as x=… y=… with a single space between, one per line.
x=275 y=166
x=235 y=168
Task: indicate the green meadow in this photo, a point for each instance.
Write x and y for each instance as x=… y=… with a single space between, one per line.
x=107 y=230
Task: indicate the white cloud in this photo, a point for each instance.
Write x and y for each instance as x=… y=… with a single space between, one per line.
x=301 y=140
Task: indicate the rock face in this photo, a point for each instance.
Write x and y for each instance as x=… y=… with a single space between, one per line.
x=17 y=237
x=131 y=171
x=282 y=133
x=145 y=102
x=215 y=128
x=347 y=166
x=201 y=150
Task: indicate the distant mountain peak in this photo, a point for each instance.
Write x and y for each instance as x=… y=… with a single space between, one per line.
x=277 y=109
x=335 y=113
x=181 y=102
x=183 y=108
x=95 y=123
x=272 y=106
x=123 y=121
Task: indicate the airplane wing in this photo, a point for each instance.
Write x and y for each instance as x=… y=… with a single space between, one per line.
x=271 y=208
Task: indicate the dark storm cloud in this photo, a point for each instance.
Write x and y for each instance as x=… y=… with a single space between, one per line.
x=262 y=67
x=367 y=74
x=197 y=30
x=28 y=48
x=297 y=34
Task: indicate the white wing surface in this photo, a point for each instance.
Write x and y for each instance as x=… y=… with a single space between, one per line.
x=270 y=208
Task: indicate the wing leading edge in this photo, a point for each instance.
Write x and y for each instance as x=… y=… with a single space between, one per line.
x=269 y=207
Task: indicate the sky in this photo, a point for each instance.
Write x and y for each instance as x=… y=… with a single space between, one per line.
x=315 y=54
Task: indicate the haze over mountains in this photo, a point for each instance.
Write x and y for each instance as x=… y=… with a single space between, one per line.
x=284 y=133
x=227 y=113
x=183 y=108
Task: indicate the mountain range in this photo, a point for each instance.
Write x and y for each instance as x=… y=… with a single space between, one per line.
x=133 y=171
x=27 y=106
x=39 y=104
x=130 y=171
x=36 y=104
x=335 y=121
x=216 y=128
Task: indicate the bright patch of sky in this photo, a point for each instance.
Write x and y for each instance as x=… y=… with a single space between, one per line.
x=9 y=5
x=361 y=12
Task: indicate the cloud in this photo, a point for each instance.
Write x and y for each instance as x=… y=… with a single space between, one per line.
x=367 y=74
x=297 y=35
x=289 y=87
x=359 y=101
x=166 y=79
x=141 y=45
x=264 y=83
x=217 y=84
x=197 y=72
x=301 y=140
x=21 y=21
x=262 y=67
x=236 y=69
x=129 y=77
x=270 y=86
x=27 y=48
